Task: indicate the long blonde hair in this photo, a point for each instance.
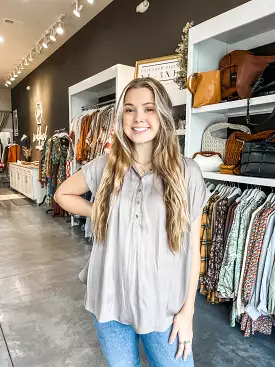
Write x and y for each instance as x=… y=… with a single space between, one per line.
x=166 y=161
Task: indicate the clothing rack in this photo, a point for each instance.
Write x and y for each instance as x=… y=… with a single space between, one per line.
x=230 y=266
x=97 y=105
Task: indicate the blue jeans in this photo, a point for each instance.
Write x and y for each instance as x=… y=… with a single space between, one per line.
x=119 y=344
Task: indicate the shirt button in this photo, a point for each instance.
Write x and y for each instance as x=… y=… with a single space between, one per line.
x=136 y=216
x=139 y=190
x=138 y=202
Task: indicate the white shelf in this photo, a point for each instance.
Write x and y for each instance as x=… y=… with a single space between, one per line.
x=180 y=132
x=258 y=105
x=241 y=179
x=250 y=19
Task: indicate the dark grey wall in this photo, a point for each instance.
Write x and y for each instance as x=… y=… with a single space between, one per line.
x=117 y=35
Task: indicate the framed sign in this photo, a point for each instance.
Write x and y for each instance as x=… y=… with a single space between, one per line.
x=15 y=122
x=164 y=69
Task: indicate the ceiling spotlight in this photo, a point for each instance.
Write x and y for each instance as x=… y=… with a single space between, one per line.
x=1 y=39
x=142 y=7
x=12 y=78
x=22 y=67
x=19 y=71
x=59 y=28
x=38 y=48
x=8 y=81
x=30 y=57
x=91 y=1
x=26 y=62
x=52 y=35
x=6 y=84
x=15 y=74
x=45 y=42
x=77 y=8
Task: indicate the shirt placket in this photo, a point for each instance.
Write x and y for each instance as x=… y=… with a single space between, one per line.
x=137 y=211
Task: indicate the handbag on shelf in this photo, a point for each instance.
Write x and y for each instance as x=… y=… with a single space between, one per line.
x=233 y=149
x=229 y=69
x=263 y=86
x=250 y=71
x=212 y=143
x=208 y=161
x=205 y=87
x=258 y=158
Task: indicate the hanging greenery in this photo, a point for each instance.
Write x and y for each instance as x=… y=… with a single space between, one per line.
x=182 y=51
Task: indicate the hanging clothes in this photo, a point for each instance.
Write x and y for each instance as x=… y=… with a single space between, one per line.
x=238 y=248
x=271 y=298
x=249 y=323
x=24 y=147
x=91 y=135
x=53 y=166
x=14 y=153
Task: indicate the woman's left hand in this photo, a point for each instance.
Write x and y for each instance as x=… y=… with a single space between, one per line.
x=183 y=327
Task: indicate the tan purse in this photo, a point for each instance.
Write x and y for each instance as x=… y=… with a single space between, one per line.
x=206 y=87
x=229 y=69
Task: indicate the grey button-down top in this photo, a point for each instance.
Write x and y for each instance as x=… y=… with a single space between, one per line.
x=134 y=278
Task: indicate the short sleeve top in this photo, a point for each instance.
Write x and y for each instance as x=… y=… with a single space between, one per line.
x=134 y=278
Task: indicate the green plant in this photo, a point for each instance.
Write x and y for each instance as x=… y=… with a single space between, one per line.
x=182 y=51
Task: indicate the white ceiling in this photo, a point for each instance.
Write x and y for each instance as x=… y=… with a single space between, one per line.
x=33 y=18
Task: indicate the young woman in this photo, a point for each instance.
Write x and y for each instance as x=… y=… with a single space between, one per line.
x=144 y=267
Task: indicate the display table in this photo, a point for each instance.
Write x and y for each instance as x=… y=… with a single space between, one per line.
x=24 y=179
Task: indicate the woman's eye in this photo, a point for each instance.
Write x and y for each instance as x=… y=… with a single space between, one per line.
x=129 y=110
x=149 y=109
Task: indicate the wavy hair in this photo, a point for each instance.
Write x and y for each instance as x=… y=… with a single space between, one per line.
x=167 y=163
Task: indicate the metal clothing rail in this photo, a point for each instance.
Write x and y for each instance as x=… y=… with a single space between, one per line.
x=97 y=105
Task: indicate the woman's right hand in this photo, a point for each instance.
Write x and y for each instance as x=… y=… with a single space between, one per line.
x=68 y=195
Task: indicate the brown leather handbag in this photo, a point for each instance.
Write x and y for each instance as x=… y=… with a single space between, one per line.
x=249 y=70
x=206 y=87
x=229 y=68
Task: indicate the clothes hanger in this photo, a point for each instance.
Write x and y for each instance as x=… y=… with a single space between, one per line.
x=227 y=190
x=236 y=191
x=211 y=186
x=272 y=199
x=260 y=195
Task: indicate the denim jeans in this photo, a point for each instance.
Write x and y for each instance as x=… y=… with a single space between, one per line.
x=119 y=344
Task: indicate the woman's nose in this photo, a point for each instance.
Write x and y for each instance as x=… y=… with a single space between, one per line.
x=139 y=117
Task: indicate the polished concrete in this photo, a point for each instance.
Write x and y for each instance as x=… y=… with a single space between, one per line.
x=42 y=316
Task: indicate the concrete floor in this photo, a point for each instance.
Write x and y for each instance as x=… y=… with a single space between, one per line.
x=43 y=321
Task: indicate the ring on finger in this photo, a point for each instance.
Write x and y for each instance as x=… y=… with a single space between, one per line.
x=185 y=342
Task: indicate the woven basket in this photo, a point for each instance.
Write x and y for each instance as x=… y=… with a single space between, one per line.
x=214 y=144
x=234 y=148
